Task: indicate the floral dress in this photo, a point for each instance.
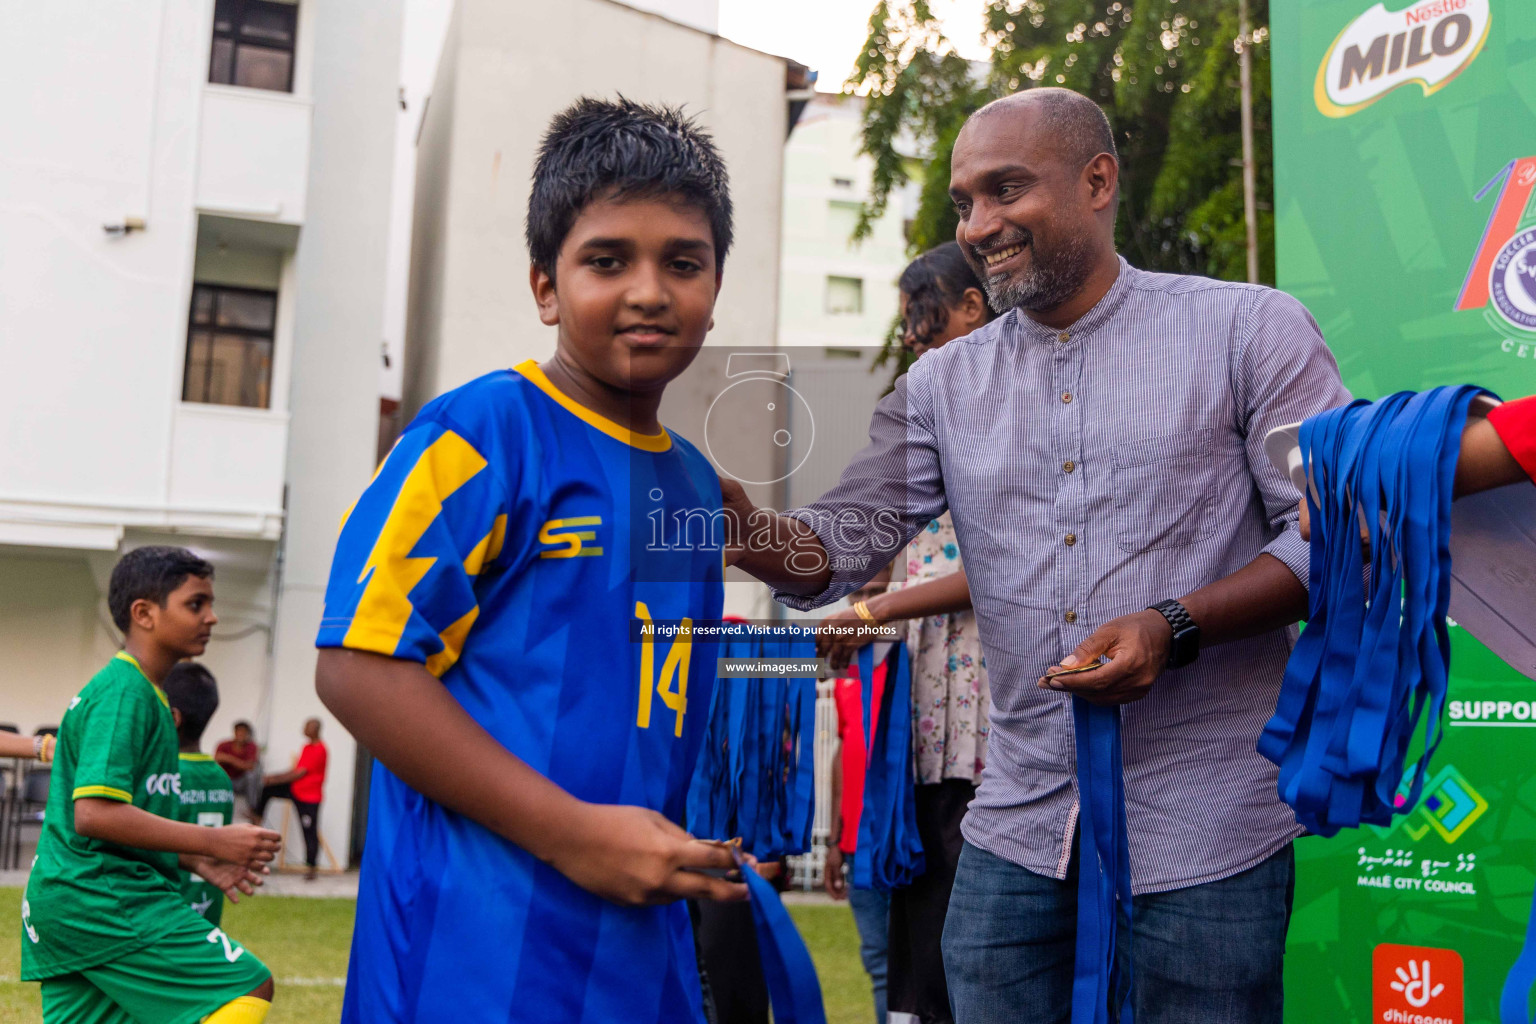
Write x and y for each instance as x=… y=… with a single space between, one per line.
x=950 y=697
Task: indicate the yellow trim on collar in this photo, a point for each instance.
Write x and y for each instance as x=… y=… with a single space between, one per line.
x=645 y=442
x=195 y=757
x=130 y=659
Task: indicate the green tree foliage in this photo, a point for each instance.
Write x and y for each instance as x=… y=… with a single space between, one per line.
x=1166 y=73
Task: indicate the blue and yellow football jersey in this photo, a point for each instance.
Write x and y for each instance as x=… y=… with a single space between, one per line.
x=500 y=545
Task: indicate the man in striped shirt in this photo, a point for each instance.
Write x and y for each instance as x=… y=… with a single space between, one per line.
x=1100 y=447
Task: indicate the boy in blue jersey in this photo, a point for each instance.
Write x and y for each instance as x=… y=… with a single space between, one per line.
x=483 y=623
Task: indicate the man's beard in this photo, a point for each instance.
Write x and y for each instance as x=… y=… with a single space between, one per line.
x=1052 y=276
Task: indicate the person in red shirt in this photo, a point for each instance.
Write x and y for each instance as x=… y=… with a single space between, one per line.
x=303 y=785
x=1513 y=425
x=241 y=760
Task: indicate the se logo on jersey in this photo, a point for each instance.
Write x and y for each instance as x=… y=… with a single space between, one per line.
x=565 y=539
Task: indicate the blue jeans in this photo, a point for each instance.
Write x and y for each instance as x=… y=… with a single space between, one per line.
x=1208 y=954
x=872 y=916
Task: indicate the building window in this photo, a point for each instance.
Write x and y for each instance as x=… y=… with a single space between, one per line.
x=229 y=347
x=253 y=44
x=845 y=295
x=843 y=220
x=842 y=183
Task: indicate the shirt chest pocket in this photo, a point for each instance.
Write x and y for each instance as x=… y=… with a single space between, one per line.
x=1165 y=490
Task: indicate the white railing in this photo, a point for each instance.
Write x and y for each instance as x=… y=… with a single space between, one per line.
x=805 y=871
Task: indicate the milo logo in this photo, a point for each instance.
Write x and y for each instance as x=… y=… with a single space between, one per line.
x=1429 y=43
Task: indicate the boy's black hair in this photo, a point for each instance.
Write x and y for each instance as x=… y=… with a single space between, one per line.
x=243 y=723
x=150 y=573
x=190 y=688
x=621 y=149
x=934 y=282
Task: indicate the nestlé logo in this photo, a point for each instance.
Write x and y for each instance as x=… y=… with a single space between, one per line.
x=1429 y=43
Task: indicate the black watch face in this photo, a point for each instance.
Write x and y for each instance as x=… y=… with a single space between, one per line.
x=1186 y=645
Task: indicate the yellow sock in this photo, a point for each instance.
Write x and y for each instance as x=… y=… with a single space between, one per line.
x=245 y=1010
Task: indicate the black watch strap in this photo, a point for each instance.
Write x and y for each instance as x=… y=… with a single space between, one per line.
x=1185 y=647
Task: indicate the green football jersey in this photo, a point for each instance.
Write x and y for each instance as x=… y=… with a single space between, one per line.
x=89 y=901
x=206 y=799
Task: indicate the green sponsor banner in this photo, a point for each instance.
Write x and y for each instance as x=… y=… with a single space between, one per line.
x=1405 y=169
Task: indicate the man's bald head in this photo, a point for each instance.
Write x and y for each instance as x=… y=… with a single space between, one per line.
x=1068 y=120
x=1035 y=182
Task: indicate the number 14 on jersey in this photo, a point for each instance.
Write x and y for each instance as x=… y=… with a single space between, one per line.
x=672 y=687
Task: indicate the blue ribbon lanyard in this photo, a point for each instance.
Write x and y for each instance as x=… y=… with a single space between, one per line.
x=788 y=971
x=890 y=853
x=1515 y=1001
x=1103 y=868
x=1367 y=672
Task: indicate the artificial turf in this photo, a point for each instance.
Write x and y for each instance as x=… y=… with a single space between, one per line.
x=304 y=941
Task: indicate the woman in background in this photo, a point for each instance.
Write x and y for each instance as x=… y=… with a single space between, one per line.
x=941 y=300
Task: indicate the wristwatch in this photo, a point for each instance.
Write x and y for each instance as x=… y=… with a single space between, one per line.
x=1185 y=647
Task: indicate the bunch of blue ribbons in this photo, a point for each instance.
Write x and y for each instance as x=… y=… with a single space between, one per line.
x=755 y=777
x=755 y=781
x=1372 y=666
x=890 y=852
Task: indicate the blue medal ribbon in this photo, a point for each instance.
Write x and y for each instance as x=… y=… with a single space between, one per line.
x=1515 y=1001
x=890 y=853
x=1103 y=868
x=755 y=777
x=793 y=989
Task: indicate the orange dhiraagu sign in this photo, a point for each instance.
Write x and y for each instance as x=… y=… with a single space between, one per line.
x=1416 y=985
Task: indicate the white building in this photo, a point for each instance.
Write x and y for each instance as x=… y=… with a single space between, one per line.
x=193 y=214
x=502 y=75
x=837 y=297
x=835 y=291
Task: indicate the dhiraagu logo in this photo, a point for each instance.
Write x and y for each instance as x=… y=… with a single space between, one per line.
x=1449 y=806
x=1416 y=985
x=570 y=538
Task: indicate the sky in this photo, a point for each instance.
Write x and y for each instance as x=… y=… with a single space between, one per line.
x=827 y=34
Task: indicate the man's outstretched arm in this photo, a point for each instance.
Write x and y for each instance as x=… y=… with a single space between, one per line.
x=889 y=491
x=1499 y=450
x=782 y=551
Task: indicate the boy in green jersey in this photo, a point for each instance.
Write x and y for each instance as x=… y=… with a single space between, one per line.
x=206 y=796
x=104 y=925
